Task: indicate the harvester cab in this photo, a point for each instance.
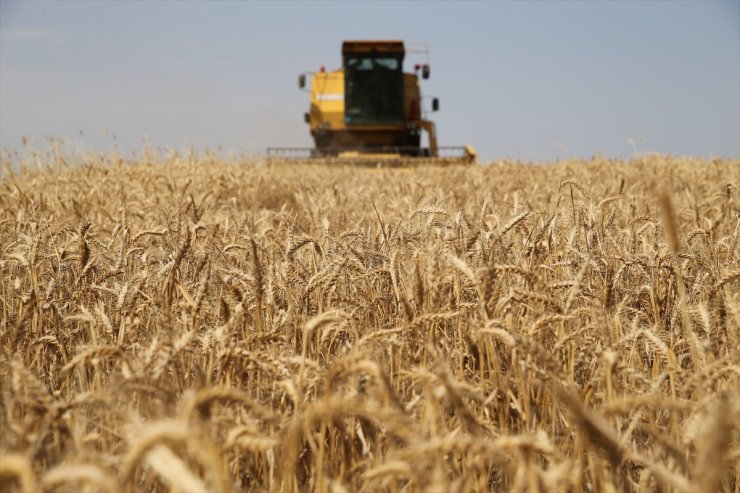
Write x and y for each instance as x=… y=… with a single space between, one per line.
x=370 y=108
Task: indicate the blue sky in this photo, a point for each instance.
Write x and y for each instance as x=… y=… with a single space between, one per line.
x=524 y=80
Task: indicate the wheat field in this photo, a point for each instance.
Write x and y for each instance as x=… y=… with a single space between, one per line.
x=188 y=323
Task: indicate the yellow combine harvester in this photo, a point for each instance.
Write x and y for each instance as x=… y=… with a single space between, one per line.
x=371 y=112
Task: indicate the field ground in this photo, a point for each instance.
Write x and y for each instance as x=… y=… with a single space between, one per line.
x=196 y=325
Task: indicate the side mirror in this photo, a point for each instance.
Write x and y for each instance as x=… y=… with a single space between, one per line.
x=302 y=81
x=435 y=104
x=307 y=118
x=425 y=71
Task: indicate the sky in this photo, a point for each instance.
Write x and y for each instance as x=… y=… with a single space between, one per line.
x=525 y=80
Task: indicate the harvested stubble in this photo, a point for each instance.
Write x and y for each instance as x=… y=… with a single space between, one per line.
x=190 y=324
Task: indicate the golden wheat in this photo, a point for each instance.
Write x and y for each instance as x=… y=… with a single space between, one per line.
x=193 y=323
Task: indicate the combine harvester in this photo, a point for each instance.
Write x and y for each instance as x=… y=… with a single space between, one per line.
x=371 y=113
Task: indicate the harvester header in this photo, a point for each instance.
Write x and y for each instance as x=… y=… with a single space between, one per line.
x=371 y=109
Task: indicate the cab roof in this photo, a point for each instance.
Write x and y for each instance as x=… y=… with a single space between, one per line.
x=370 y=46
